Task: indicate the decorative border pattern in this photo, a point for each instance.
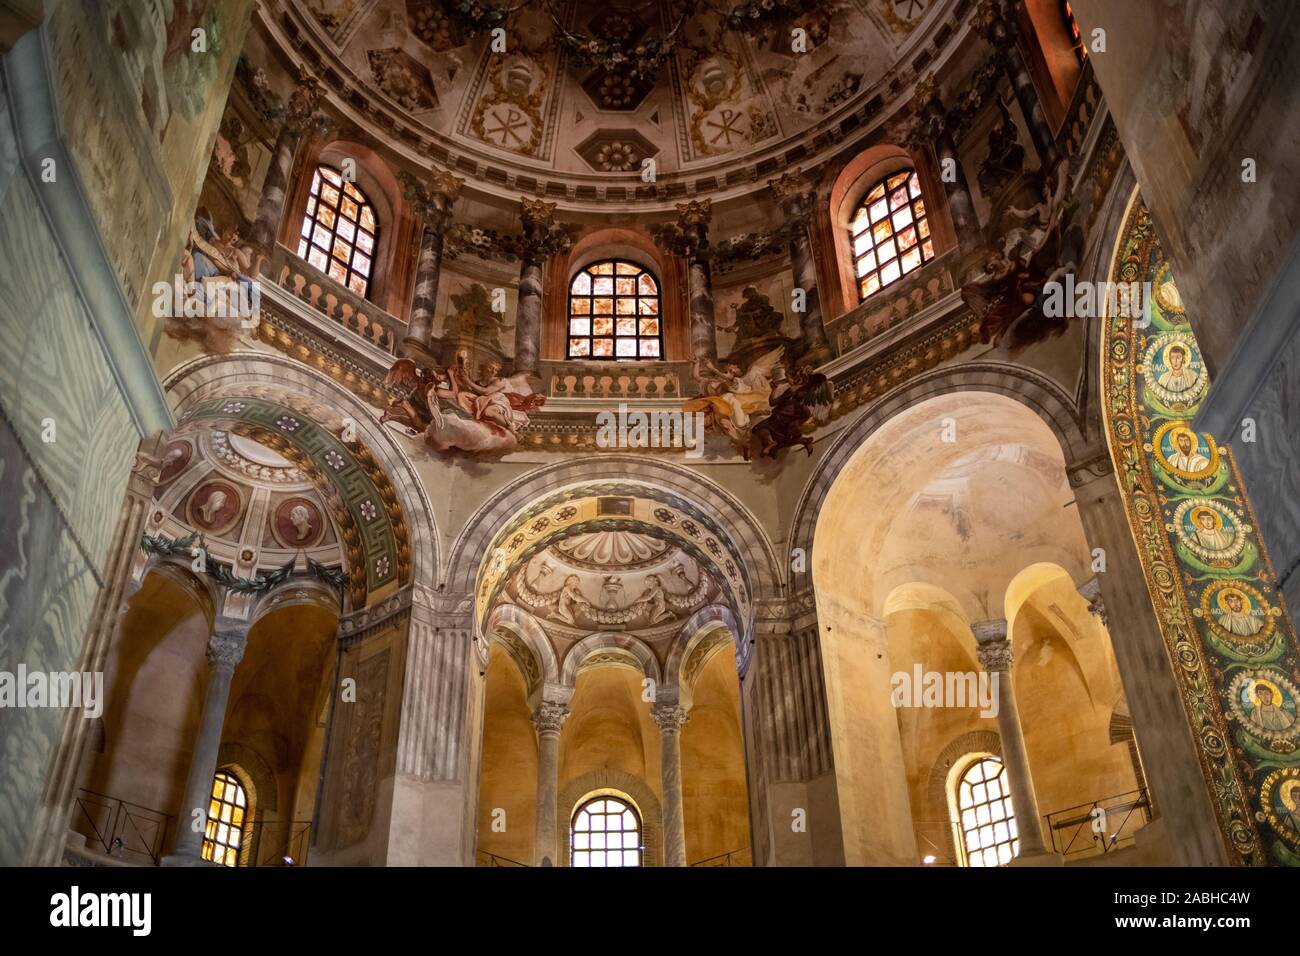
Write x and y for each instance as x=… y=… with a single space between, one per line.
x=1218 y=645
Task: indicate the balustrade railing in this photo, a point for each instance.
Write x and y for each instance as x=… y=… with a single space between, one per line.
x=334 y=301
x=894 y=304
x=613 y=381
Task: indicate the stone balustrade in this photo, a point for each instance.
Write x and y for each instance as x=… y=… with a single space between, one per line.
x=608 y=381
x=359 y=316
x=893 y=305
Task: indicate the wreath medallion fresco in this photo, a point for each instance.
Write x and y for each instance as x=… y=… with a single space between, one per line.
x=1213 y=588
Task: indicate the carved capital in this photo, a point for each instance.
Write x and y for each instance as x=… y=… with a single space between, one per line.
x=537 y=213
x=797 y=195
x=227 y=644
x=300 y=114
x=549 y=717
x=432 y=197
x=697 y=212
x=1090 y=591
x=991 y=645
x=671 y=718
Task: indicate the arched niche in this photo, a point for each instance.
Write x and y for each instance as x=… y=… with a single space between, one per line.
x=616 y=242
x=393 y=273
x=858 y=176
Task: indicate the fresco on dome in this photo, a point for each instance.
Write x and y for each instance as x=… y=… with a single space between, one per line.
x=1207 y=570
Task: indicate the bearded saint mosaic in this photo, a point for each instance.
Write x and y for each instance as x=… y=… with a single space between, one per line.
x=1208 y=573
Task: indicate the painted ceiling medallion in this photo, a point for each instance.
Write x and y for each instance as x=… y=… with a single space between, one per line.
x=176 y=458
x=297 y=523
x=215 y=507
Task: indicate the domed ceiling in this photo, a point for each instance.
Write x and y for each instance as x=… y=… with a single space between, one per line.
x=254 y=509
x=589 y=89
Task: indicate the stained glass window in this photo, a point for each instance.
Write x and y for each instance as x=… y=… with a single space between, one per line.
x=606 y=832
x=339 y=233
x=227 y=812
x=986 y=817
x=890 y=232
x=614 y=313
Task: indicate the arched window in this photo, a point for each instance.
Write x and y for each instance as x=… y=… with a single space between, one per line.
x=890 y=232
x=606 y=832
x=1072 y=28
x=339 y=232
x=223 y=837
x=614 y=313
x=985 y=816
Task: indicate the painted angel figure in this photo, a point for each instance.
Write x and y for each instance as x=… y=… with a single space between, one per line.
x=455 y=410
x=733 y=402
x=797 y=402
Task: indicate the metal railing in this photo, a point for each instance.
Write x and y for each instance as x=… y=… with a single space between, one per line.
x=1101 y=826
x=279 y=844
x=120 y=829
x=731 y=858
x=491 y=859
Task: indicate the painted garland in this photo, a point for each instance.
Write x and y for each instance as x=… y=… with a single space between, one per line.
x=1213 y=587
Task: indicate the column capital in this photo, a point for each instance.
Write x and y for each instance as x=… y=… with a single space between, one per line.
x=549 y=716
x=995 y=656
x=671 y=717
x=991 y=19
x=227 y=644
x=431 y=196
x=543 y=235
x=795 y=192
x=1090 y=591
x=991 y=645
x=300 y=114
x=688 y=235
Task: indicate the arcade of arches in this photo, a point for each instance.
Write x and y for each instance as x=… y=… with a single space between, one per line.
x=640 y=445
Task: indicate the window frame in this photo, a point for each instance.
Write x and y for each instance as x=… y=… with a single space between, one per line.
x=212 y=823
x=961 y=831
x=628 y=807
x=590 y=297
x=914 y=196
x=307 y=237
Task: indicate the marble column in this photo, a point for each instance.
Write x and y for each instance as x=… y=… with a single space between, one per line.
x=432 y=202
x=936 y=128
x=300 y=118
x=799 y=205
x=997 y=19
x=994 y=652
x=671 y=717
x=693 y=225
x=225 y=651
x=548 y=718
x=542 y=237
